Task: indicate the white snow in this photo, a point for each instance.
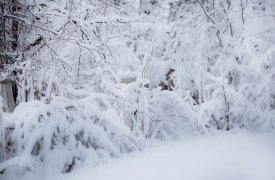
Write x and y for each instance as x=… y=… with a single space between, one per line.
x=224 y=156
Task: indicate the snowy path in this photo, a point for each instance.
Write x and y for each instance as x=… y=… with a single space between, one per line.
x=241 y=156
x=228 y=156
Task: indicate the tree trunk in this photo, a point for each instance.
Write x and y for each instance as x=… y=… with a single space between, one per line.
x=6 y=93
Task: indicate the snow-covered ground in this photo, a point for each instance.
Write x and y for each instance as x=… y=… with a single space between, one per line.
x=224 y=156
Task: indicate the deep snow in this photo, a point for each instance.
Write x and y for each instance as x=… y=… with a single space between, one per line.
x=224 y=156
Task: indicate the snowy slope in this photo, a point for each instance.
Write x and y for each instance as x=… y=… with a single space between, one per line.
x=225 y=156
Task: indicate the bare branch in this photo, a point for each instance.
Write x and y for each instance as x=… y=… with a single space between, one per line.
x=207 y=15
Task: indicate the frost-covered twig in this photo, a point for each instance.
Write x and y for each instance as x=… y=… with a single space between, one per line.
x=206 y=14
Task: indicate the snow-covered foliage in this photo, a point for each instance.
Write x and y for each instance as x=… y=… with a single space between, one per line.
x=97 y=78
x=225 y=61
x=65 y=132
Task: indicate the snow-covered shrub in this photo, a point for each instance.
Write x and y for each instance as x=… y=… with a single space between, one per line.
x=170 y=116
x=222 y=56
x=64 y=133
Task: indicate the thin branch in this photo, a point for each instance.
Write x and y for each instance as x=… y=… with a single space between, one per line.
x=243 y=6
x=28 y=23
x=151 y=51
x=110 y=4
x=204 y=10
